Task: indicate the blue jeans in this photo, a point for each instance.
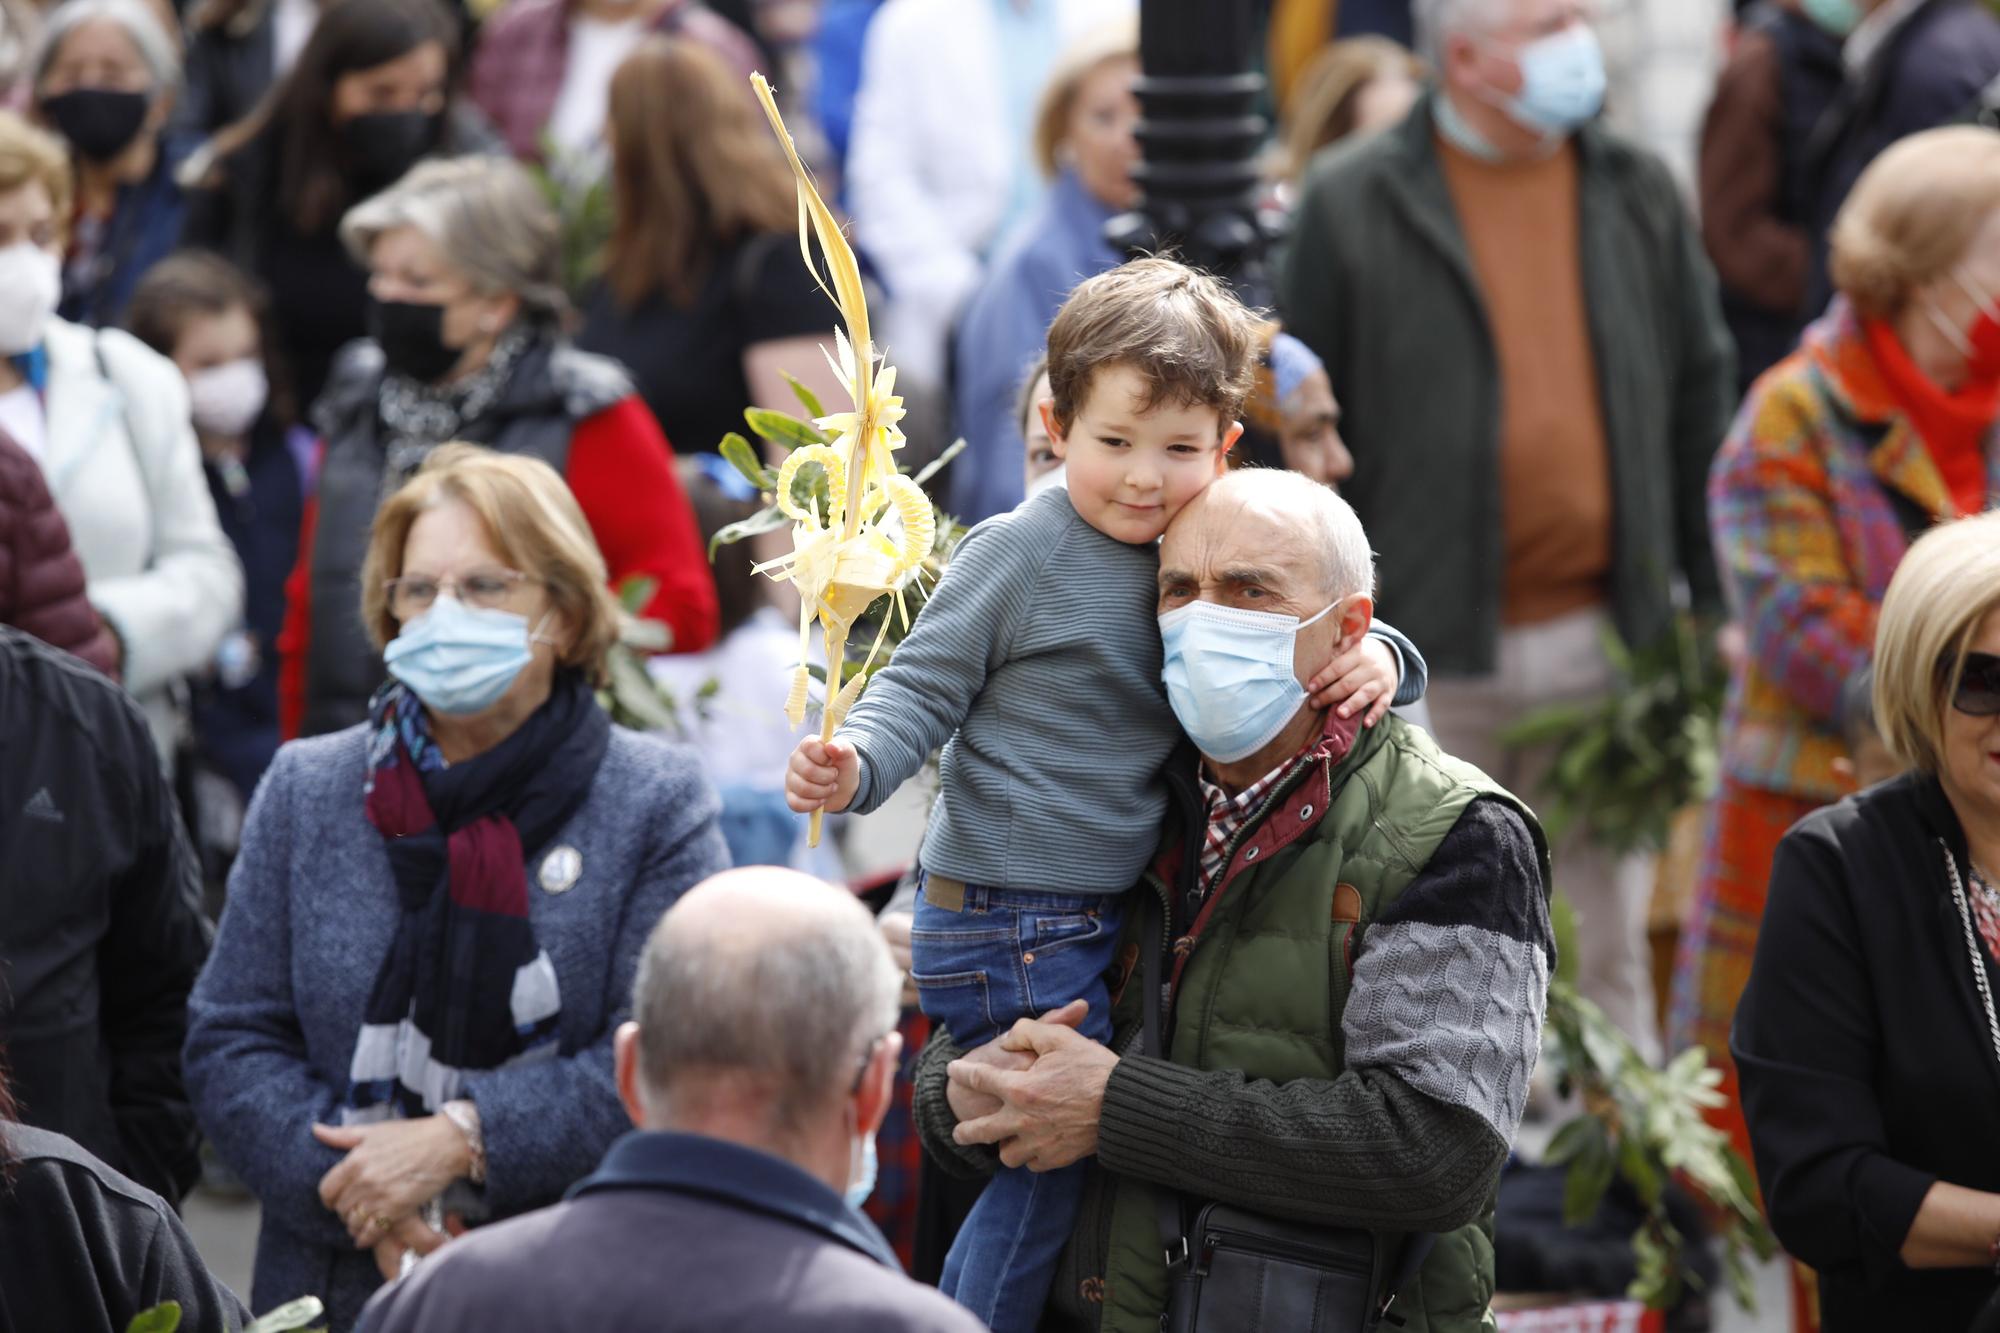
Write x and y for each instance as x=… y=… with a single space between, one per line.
x=1006 y=955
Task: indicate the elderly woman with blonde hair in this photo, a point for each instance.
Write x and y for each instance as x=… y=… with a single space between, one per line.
x=434 y=923
x=1880 y=425
x=466 y=316
x=1867 y=1039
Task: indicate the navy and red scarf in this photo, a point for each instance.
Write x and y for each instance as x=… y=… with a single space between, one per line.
x=465 y=985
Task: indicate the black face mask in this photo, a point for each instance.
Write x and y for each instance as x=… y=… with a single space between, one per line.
x=382 y=145
x=411 y=337
x=100 y=123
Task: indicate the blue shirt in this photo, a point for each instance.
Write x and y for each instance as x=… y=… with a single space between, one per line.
x=1005 y=328
x=1028 y=34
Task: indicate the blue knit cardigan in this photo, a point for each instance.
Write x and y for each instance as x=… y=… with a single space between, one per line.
x=310 y=915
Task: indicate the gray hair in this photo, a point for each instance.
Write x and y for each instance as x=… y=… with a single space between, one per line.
x=792 y=995
x=1347 y=564
x=155 y=47
x=1439 y=19
x=486 y=217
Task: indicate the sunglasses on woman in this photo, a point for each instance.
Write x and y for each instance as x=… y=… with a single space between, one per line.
x=1978 y=692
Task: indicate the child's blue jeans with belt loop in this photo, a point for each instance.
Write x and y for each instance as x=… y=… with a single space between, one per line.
x=981 y=958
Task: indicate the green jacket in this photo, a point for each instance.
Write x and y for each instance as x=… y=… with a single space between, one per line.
x=1367 y=876
x=1378 y=280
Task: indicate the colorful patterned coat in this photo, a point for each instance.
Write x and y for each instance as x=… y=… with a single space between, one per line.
x=1812 y=500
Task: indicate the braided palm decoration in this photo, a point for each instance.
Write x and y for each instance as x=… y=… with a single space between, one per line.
x=878 y=525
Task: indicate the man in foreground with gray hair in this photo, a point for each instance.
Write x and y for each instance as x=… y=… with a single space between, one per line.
x=758 y=1069
x=1351 y=937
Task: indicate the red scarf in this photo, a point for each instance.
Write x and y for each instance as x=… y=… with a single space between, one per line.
x=1954 y=427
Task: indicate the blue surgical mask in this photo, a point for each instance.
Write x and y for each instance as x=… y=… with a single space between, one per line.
x=1562 y=82
x=1229 y=676
x=1839 y=17
x=864 y=1184
x=1457 y=130
x=461 y=659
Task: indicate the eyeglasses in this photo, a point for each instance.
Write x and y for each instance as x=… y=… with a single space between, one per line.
x=414 y=594
x=1978 y=691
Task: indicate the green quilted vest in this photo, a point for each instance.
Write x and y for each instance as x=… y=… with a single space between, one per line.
x=1264 y=986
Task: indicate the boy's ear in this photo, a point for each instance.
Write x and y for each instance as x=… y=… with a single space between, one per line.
x=1231 y=436
x=1057 y=444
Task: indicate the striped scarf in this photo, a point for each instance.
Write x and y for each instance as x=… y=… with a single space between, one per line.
x=465 y=986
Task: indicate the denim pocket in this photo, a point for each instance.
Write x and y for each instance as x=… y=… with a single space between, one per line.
x=962 y=1001
x=1045 y=934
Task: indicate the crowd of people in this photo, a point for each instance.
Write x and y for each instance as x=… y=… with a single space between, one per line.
x=365 y=367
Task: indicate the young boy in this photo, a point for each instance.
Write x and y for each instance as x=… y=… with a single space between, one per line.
x=1036 y=664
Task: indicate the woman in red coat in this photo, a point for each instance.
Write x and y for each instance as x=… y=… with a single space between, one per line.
x=466 y=306
x=41 y=582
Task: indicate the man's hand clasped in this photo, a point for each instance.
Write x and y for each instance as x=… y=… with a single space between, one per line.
x=1035 y=1093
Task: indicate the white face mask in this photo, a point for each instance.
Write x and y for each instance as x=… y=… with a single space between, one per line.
x=1048 y=481
x=30 y=287
x=227 y=398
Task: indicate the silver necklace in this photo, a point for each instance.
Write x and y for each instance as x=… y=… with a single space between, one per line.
x=1972 y=947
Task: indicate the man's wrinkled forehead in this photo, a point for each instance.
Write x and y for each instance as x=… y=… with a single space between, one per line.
x=1222 y=540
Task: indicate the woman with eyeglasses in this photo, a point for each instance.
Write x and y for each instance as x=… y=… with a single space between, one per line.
x=1879 y=426
x=434 y=923
x=1867 y=1040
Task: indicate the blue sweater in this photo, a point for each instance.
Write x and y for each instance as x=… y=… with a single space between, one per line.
x=310 y=915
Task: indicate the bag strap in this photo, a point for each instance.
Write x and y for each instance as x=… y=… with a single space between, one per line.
x=1166 y=1202
x=1417 y=1245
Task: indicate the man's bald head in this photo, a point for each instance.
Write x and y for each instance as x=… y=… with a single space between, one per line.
x=764 y=980
x=1285 y=514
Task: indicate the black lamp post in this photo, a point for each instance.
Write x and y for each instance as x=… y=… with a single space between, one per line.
x=1199 y=135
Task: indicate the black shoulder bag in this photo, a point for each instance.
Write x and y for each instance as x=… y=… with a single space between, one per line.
x=1236 y=1271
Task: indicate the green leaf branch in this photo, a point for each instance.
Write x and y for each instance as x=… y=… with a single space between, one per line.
x=1646 y=1126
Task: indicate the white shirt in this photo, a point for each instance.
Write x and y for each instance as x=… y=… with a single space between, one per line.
x=291 y=25
x=22 y=418
x=596 y=49
x=740 y=729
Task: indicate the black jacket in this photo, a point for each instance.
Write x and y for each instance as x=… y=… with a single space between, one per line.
x=551 y=389
x=1867 y=1068
x=230 y=66
x=1929 y=71
x=673 y=1232
x=83 y=1249
x=101 y=932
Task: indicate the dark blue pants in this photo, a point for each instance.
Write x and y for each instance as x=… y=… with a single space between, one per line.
x=1005 y=955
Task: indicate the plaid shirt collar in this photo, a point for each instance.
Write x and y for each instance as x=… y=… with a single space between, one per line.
x=1228 y=815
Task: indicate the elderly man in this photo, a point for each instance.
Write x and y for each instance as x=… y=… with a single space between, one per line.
x=1354 y=935
x=758 y=1070
x=1523 y=330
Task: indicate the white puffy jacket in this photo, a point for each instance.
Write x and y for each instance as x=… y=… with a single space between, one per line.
x=125 y=469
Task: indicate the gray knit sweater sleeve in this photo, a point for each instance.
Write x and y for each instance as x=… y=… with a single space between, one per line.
x=1036 y=666
x=916 y=703
x=1412 y=1135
